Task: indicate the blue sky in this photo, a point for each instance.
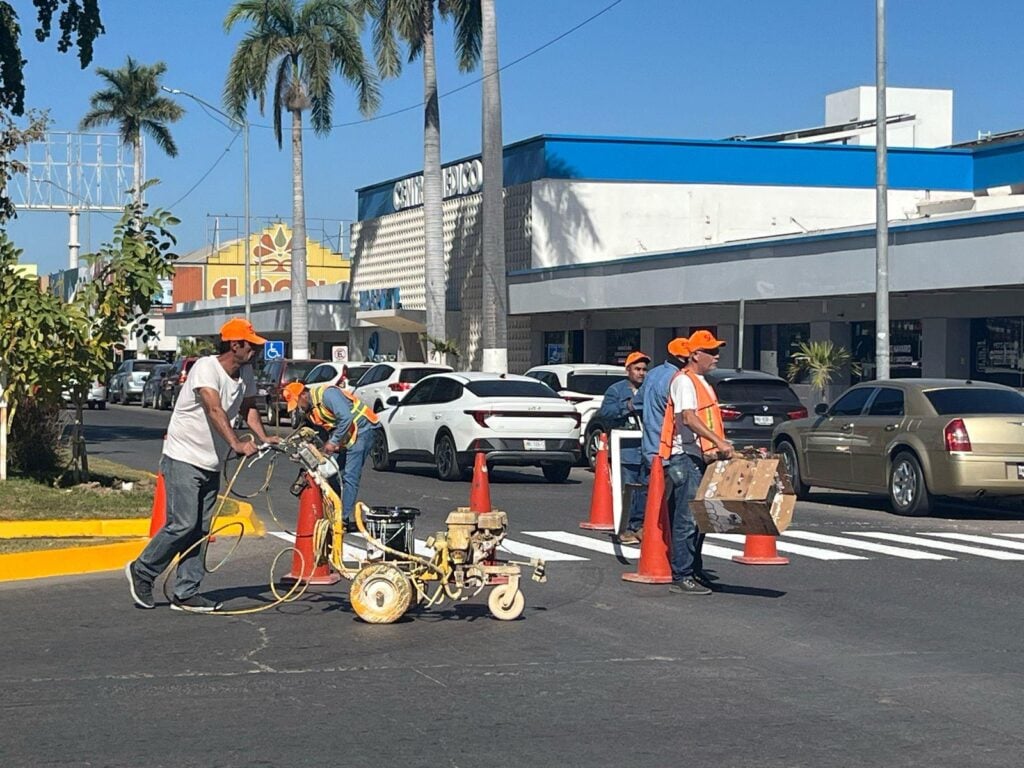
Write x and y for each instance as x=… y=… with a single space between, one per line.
x=673 y=68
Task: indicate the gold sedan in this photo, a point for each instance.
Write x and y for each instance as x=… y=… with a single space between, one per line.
x=911 y=440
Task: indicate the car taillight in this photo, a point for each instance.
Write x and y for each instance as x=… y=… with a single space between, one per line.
x=957 y=439
x=731 y=414
x=480 y=417
x=399 y=386
x=799 y=413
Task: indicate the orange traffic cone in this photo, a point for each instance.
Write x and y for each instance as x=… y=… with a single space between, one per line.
x=655 y=546
x=480 y=492
x=601 y=517
x=158 y=517
x=304 y=567
x=759 y=549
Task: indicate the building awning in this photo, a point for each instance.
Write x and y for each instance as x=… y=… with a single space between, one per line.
x=397 y=320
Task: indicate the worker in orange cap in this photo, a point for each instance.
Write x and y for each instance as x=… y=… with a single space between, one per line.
x=198 y=439
x=617 y=411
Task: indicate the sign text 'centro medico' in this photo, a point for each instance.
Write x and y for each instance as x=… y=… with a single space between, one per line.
x=460 y=179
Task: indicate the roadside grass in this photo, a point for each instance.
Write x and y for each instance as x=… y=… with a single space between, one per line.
x=13 y=546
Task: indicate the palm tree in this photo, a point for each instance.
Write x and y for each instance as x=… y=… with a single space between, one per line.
x=412 y=21
x=495 y=294
x=821 y=361
x=133 y=101
x=294 y=50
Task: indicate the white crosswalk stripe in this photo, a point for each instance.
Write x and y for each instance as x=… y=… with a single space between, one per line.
x=1012 y=535
x=974 y=539
x=796 y=549
x=867 y=546
x=941 y=545
x=607 y=547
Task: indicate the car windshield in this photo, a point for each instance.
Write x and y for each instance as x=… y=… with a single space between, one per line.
x=510 y=388
x=145 y=366
x=592 y=383
x=975 y=400
x=298 y=371
x=412 y=375
x=755 y=391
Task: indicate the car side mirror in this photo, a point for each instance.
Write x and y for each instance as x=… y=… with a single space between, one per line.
x=393 y=400
x=821 y=409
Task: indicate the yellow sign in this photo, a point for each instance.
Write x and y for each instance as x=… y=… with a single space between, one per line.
x=271 y=264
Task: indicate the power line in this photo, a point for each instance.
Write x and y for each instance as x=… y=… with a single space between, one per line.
x=209 y=170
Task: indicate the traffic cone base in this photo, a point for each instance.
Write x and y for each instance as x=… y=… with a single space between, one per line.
x=760 y=550
x=655 y=547
x=158 y=517
x=303 y=565
x=480 y=491
x=601 y=515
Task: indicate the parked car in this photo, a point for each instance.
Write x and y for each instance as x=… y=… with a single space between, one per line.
x=173 y=382
x=343 y=375
x=386 y=380
x=752 y=402
x=128 y=380
x=912 y=440
x=582 y=384
x=154 y=386
x=448 y=417
x=95 y=397
x=272 y=379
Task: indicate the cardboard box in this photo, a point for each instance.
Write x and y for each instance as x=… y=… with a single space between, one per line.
x=744 y=496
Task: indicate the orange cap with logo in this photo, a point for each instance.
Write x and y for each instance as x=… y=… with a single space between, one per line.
x=636 y=357
x=679 y=347
x=704 y=339
x=291 y=393
x=240 y=329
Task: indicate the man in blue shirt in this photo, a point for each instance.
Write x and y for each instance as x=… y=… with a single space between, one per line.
x=650 y=402
x=617 y=412
x=351 y=426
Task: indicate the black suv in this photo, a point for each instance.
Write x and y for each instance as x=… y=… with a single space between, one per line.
x=752 y=403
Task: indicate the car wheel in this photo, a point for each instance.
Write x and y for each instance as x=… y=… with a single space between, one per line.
x=556 y=473
x=792 y=465
x=379 y=453
x=446 y=459
x=378 y=407
x=590 y=447
x=908 y=492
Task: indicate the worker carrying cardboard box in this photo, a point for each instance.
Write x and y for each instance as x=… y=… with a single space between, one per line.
x=692 y=434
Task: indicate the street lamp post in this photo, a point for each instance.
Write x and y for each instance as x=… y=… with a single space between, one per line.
x=881 y=203
x=243 y=125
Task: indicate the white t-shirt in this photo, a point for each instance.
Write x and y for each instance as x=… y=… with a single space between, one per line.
x=191 y=437
x=684 y=398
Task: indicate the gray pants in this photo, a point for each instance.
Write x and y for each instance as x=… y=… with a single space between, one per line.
x=191 y=497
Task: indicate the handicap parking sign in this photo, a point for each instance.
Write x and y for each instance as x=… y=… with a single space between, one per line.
x=273 y=350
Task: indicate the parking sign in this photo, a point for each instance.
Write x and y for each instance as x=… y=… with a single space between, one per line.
x=273 y=350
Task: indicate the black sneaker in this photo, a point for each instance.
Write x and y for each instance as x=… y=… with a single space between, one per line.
x=688 y=586
x=142 y=590
x=195 y=604
x=704 y=579
x=629 y=537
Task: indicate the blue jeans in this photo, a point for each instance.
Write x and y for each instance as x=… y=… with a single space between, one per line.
x=191 y=496
x=637 y=473
x=686 y=541
x=350 y=469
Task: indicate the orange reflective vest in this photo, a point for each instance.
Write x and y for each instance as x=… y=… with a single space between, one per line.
x=324 y=417
x=708 y=411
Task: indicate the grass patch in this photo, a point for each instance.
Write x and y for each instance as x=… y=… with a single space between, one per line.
x=11 y=546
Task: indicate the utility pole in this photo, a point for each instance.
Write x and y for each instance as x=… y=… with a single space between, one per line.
x=881 y=203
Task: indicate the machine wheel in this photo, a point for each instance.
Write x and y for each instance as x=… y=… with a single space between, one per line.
x=792 y=465
x=380 y=594
x=445 y=458
x=506 y=604
x=556 y=473
x=379 y=453
x=908 y=493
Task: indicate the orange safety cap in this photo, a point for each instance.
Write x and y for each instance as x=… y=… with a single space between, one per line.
x=636 y=357
x=240 y=329
x=679 y=347
x=291 y=393
x=704 y=340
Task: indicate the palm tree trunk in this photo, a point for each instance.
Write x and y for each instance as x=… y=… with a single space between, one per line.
x=300 y=313
x=433 y=268
x=495 y=294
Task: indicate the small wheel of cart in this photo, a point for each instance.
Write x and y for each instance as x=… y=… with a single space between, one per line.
x=506 y=602
x=380 y=593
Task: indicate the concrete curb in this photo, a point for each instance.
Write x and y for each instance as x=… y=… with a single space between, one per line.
x=92 y=559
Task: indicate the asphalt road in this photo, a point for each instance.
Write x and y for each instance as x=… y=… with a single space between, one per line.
x=867 y=650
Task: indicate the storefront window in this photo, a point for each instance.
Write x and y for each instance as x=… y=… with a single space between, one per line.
x=904 y=349
x=563 y=347
x=619 y=343
x=775 y=345
x=997 y=344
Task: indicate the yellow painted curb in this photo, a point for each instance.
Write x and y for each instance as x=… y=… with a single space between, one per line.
x=65 y=562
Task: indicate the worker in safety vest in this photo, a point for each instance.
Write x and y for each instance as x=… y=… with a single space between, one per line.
x=352 y=427
x=692 y=435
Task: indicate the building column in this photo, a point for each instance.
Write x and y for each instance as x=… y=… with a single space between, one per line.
x=654 y=341
x=730 y=335
x=536 y=348
x=945 y=348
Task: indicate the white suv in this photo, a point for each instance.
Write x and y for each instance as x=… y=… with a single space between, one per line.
x=582 y=384
x=447 y=418
x=387 y=380
x=344 y=375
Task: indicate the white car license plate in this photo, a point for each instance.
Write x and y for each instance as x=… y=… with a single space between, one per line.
x=764 y=421
x=1020 y=471
x=534 y=445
